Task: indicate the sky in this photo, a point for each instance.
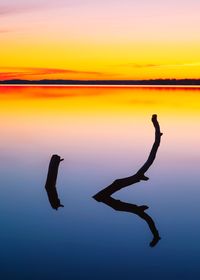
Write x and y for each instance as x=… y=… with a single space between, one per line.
x=107 y=39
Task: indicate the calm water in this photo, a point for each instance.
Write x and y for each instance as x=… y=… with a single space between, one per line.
x=102 y=134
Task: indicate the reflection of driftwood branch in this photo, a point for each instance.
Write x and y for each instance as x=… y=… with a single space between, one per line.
x=135 y=209
x=50 y=185
x=105 y=194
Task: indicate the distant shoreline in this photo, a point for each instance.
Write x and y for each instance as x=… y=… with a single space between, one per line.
x=155 y=82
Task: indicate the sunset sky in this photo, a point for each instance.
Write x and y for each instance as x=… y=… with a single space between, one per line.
x=107 y=39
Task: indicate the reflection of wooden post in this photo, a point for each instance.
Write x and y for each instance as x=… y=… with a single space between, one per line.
x=105 y=194
x=50 y=185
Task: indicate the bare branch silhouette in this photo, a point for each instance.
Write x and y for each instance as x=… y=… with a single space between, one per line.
x=105 y=194
x=50 y=185
x=140 y=175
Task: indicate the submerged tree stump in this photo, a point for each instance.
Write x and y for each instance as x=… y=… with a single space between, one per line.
x=50 y=185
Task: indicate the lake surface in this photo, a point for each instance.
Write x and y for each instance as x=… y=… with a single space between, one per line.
x=103 y=133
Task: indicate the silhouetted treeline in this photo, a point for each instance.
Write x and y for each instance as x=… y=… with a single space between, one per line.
x=180 y=82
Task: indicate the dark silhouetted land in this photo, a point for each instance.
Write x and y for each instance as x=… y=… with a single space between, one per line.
x=172 y=82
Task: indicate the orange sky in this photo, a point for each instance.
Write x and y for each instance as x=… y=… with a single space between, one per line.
x=99 y=39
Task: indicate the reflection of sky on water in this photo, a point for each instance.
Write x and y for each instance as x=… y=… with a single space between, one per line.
x=86 y=239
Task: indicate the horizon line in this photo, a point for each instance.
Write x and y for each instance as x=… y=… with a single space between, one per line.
x=157 y=81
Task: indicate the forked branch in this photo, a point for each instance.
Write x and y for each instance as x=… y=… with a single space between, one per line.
x=105 y=194
x=140 y=174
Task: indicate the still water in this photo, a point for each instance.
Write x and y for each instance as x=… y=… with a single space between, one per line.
x=103 y=134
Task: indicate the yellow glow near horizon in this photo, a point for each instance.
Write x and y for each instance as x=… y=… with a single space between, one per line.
x=62 y=117
x=60 y=101
x=93 y=40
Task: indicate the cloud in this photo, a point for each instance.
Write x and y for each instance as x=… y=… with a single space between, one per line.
x=136 y=65
x=4 y=30
x=151 y=65
x=20 y=6
x=4 y=10
x=7 y=73
x=11 y=7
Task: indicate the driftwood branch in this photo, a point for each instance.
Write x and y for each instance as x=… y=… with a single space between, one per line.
x=105 y=194
x=140 y=175
x=50 y=185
